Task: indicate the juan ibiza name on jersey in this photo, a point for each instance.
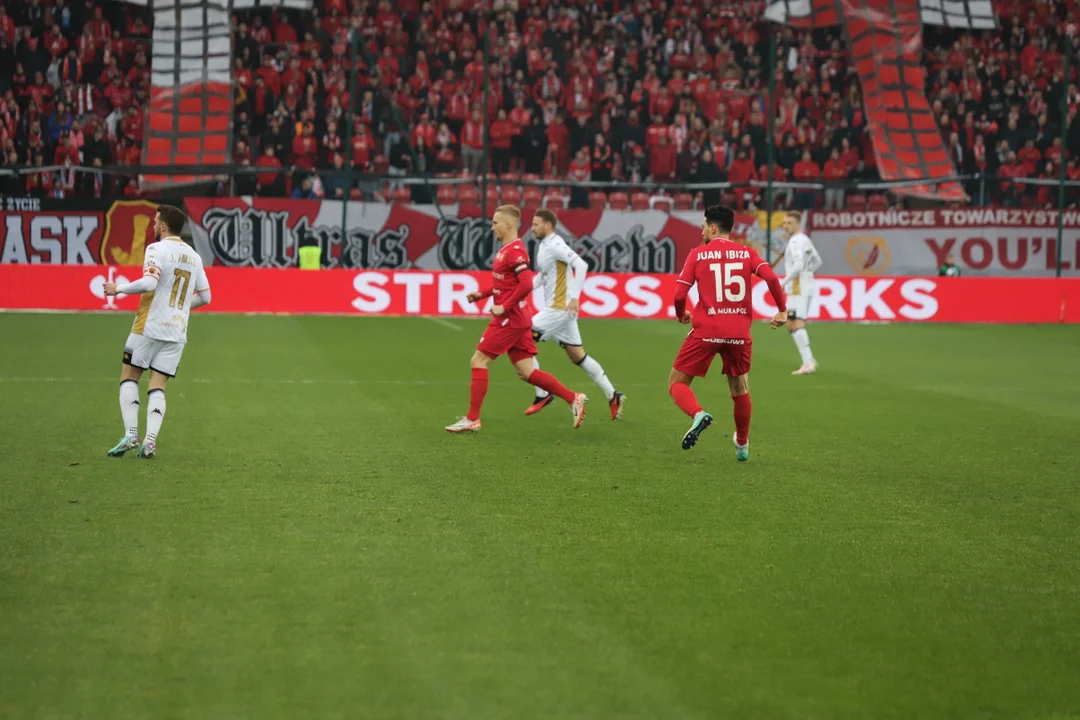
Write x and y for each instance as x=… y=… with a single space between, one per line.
x=724 y=255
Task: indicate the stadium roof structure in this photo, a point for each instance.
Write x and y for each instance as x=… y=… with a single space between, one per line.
x=885 y=40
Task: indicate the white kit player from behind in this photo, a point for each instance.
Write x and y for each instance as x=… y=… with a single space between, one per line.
x=172 y=270
x=561 y=273
x=801 y=261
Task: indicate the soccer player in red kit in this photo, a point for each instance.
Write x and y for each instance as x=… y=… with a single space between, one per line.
x=510 y=330
x=721 y=269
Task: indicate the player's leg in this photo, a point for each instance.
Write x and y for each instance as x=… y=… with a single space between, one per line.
x=740 y=398
x=522 y=355
x=544 y=323
x=478 y=386
x=736 y=359
x=692 y=361
x=570 y=339
x=155 y=413
x=542 y=398
x=130 y=374
x=798 y=309
x=163 y=366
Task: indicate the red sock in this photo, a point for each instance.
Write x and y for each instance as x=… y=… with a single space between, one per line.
x=477 y=391
x=742 y=417
x=546 y=381
x=684 y=397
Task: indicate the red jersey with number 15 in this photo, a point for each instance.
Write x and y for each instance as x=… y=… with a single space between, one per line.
x=510 y=260
x=722 y=270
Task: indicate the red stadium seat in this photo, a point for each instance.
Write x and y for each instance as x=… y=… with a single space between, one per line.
x=618 y=201
x=639 y=201
x=856 y=202
x=662 y=202
x=532 y=196
x=381 y=164
x=468 y=209
x=554 y=202
x=446 y=195
x=492 y=198
x=877 y=202
x=684 y=201
x=511 y=195
x=597 y=201
x=468 y=194
x=355 y=194
x=401 y=196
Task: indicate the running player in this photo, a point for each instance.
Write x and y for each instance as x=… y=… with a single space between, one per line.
x=562 y=275
x=510 y=329
x=171 y=271
x=721 y=269
x=801 y=261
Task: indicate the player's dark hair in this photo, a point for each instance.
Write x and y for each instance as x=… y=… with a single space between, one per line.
x=174 y=218
x=721 y=216
x=547 y=216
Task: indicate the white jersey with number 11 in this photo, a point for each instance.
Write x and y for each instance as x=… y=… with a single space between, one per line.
x=163 y=313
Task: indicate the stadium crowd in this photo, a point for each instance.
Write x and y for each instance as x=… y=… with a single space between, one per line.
x=635 y=91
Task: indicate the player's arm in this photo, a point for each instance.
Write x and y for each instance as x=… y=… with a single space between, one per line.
x=682 y=289
x=202 y=290
x=524 y=286
x=764 y=271
x=815 y=259
x=147 y=283
x=475 y=297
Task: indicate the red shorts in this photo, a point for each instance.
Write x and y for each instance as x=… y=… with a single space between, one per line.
x=517 y=343
x=696 y=355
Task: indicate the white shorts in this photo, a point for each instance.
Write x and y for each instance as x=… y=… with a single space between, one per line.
x=556 y=325
x=145 y=353
x=798 y=306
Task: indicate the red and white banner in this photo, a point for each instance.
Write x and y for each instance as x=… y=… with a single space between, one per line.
x=982 y=241
x=642 y=296
x=265 y=232
x=36 y=232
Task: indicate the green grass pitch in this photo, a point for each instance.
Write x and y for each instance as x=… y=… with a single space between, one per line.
x=904 y=542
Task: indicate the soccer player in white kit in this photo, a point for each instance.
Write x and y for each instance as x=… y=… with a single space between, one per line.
x=801 y=261
x=561 y=273
x=172 y=270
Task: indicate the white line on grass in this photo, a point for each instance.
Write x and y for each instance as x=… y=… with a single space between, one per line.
x=445 y=323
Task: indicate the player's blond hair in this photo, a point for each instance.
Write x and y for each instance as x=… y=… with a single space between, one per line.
x=795 y=214
x=510 y=211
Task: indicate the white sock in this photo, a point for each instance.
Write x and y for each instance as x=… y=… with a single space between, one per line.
x=598 y=376
x=540 y=394
x=155 y=414
x=129 y=406
x=802 y=341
